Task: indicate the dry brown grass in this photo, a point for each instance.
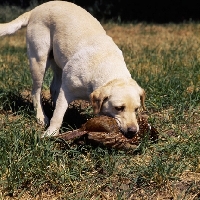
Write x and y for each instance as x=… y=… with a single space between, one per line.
x=16 y=40
x=162 y=39
x=153 y=36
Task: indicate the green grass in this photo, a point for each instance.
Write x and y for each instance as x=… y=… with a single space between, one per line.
x=165 y=60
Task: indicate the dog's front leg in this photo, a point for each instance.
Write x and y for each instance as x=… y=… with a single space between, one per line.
x=59 y=112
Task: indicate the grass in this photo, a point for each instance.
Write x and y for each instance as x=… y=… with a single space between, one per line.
x=165 y=60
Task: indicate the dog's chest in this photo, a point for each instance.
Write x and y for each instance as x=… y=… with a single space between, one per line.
x=77 y=84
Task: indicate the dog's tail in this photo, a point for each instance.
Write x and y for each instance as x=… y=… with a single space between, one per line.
x=15 y=25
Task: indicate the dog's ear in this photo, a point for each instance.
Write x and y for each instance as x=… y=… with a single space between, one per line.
x=142 y=98
x=97 y=98
x=141 y=93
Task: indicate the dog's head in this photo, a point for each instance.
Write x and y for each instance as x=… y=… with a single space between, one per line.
x=120 y=100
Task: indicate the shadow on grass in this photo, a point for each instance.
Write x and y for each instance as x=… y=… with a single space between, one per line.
x=77 y=113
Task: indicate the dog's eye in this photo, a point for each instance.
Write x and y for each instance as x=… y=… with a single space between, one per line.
x=119 y=108
x=136 y=109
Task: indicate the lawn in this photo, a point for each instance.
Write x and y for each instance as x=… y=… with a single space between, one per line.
x=165 y=61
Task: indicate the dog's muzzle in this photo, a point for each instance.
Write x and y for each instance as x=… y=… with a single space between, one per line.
x=131 y=132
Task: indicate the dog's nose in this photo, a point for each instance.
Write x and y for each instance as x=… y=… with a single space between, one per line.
x=131 y=132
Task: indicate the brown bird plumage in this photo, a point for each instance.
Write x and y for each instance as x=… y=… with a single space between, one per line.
x=104 y=130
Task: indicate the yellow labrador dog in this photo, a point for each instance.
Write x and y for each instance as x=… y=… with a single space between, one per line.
x=86 y=63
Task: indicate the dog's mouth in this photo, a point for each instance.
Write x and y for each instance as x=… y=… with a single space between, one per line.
x=129 y=133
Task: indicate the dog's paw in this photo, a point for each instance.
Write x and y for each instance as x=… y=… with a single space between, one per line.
x=50 y=133
x=43 y=121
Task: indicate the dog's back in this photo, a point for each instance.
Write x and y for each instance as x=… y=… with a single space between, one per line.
x=68 y=26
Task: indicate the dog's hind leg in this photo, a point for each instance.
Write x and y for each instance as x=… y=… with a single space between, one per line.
x=37 y=72
x=38 y=48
